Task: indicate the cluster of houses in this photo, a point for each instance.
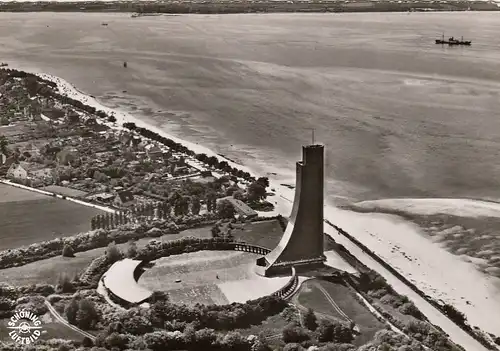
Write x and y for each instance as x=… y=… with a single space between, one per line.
x=118 y=197
x=79 y=144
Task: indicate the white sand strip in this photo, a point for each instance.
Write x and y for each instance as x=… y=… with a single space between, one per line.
x=455 y=207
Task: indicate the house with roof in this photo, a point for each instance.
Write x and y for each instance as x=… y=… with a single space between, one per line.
x=240 y=207
x=102 y=197
x=27 y=170
x=154 y=152
x=16 y=171
x=124 y=198
x=3 y=158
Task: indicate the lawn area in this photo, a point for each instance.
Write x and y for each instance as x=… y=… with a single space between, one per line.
x=49 y=270
x=394 y=312
x=10 y=193
x=312 y=297
x=272 y=326
x=14 y=129
x=208 y=294
x=199 y=272
x=346 y=300
x=51 y=329
x=264 y=233
x=27 y=217
x=65 y=191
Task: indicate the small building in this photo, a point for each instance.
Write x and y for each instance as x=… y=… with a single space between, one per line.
x=154 y=152
x=102 y=197
x=3 y=158
x=240 y=207
x=124 y=199
x=16 y=171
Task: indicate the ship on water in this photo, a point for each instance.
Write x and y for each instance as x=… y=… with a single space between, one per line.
x=453 y=41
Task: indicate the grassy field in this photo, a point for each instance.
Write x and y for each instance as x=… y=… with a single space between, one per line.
x=51 y=329
x=208 y=294
x=265 y=233
x=65 y=191
x=49 y=270
x=199 y=273
x=12 y=194
x=28 y=217
x=272 y=327
x=310 y=296
x=14 y=129
x=347 y=302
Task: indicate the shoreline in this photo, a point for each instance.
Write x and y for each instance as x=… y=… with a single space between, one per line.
x=261 y=7
x=281 y=197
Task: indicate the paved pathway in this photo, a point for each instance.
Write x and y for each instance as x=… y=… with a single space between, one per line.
x=61 y=320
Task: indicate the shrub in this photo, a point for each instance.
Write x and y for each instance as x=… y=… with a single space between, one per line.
x=132 y=250
x=325 y=331
x=34 y=304
x=113 y=253
x=338 y=332
x=116 y=340
x=63 y=347
x=87 y=342
x=235 y=341
x=225 y=209
x=294 y=334
x=64 y=284
x=410 y=309
x=68 y=251
x=310 y=321
x=86 y=317
x=293 y=347
x=71 y=310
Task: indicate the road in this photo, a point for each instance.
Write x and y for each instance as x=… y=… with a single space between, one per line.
x=61 y=320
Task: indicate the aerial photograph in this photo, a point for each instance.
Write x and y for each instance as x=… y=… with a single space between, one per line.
x=250 y=175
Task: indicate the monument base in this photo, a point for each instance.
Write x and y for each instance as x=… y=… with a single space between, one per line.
x=283 y=268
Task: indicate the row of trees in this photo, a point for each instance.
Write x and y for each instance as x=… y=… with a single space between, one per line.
x=181 y=205
x=110 y=220
x=210 y=161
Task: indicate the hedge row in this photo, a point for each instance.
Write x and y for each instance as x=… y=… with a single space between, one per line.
x=96 y=239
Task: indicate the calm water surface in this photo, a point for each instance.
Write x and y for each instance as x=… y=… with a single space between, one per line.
x=400 y=116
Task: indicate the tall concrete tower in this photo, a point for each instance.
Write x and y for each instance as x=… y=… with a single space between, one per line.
x=302 y=243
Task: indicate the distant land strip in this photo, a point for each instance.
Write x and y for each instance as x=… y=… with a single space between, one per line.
x=141 y=8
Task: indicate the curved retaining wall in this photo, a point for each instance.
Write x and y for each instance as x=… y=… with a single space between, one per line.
x=285 y=292
x=289 y=289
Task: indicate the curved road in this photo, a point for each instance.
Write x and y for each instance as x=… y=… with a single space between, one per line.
x=61 y=320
